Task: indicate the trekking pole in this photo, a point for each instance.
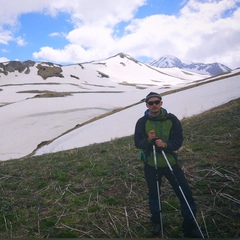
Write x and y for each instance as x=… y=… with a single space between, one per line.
x=170 y=167
x=158 y=190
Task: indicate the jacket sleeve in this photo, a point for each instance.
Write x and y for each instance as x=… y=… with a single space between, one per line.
x=176 y=135
x=140 y=136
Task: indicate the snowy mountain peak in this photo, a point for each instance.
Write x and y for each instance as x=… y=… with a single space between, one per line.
x=169 y=61
x=124 y=55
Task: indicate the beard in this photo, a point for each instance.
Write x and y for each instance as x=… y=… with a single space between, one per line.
x=154 y=111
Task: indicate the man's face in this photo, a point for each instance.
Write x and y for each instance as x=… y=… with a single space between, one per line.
x=154 y=104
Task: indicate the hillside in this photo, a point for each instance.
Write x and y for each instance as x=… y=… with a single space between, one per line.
x=99 y=191
x=42 y=101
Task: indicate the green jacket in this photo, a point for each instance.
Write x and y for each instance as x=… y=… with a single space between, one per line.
x=168 y=128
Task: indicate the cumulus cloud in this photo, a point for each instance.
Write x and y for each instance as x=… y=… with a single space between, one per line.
x=20 y=41
x=201 y=32
x=206 y=31
x=93 y=25
x=5 y=37
x=3 y=59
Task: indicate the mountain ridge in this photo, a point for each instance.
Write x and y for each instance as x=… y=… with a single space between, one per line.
x=166 y=61
x=169 y=61
x=120 y=62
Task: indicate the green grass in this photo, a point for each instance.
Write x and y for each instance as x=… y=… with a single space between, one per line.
x=99 y=191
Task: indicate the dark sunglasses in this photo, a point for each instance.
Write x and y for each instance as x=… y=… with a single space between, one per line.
x=154 y=102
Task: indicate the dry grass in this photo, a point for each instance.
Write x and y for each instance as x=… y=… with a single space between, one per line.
x=100 y=192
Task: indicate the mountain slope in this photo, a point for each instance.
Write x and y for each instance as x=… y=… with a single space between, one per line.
x=41 y=101
x=203 y=97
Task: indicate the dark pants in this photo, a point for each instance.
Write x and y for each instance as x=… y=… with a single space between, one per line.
x=151 y=179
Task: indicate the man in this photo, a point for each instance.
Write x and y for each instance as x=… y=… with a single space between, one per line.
x=165 y=131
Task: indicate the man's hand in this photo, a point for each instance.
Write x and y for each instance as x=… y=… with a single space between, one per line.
x=151 y=135
x=159 y=143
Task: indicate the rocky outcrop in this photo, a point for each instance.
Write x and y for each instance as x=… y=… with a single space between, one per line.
x=45 y=69
x=13 y=66
x=49 y=71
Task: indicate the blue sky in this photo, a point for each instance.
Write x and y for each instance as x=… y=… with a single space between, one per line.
x=85 y=30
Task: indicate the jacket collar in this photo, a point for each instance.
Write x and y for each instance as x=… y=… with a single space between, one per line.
x=161 y=116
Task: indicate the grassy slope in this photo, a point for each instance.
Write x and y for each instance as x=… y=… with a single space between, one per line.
x=100 y=191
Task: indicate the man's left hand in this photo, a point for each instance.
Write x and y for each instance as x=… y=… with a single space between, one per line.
x=159 y=143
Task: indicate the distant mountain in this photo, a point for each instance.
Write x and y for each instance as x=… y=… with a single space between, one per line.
x=169 y=61
x=120 y=68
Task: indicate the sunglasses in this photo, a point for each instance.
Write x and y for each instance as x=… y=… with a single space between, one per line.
x=153 y=102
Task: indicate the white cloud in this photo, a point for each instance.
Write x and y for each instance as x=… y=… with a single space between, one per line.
x=20 y=41
x=4 y=50
x=90 y=36
x=199 y=33
x=206 y=31
x=3 y=59
x=5 y=37
x=71 y=53
x=93 y=23
x=54 y=34
x=103 y=12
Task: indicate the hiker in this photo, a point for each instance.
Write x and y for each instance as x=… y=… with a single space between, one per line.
x=165 y=131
